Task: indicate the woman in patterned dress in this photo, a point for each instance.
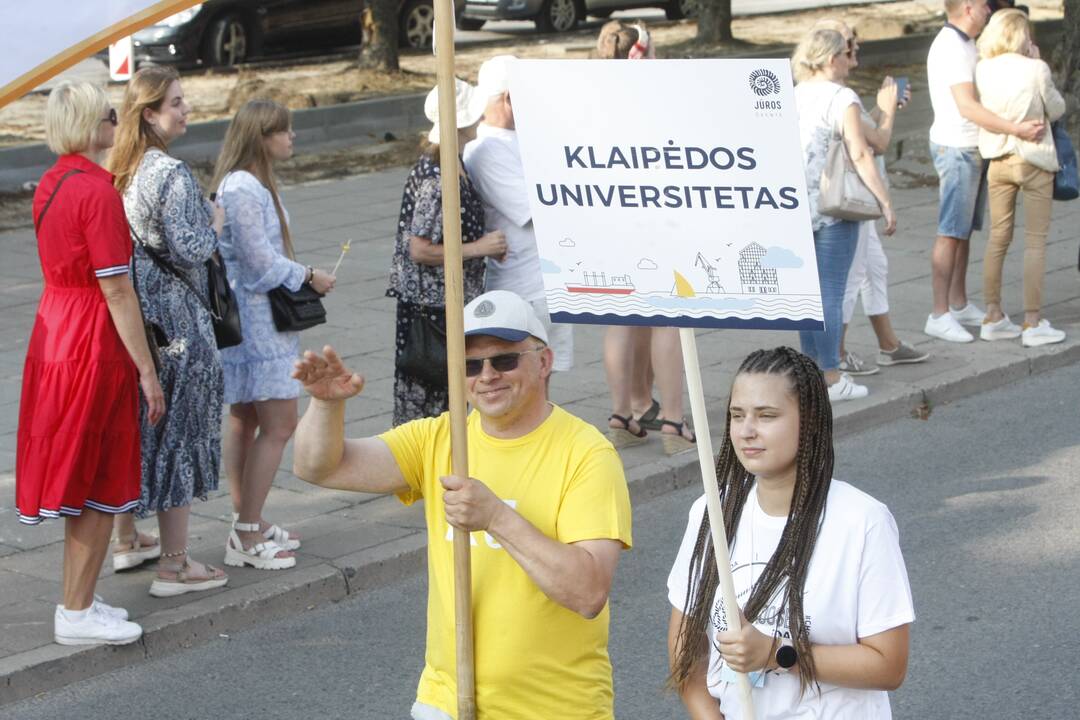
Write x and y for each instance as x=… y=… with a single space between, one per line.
x=181 y=456
x=258 y=252
x=416 y=271
x=78 y=438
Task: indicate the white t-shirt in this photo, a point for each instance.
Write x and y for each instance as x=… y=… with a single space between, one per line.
x=856 y=586
x=821 y=105
x=951 y=62
x=494 y=165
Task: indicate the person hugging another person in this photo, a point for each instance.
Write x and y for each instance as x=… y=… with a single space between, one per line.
x=416 y=270
x=1015 y=84
x=827 y=607
x=258 y=251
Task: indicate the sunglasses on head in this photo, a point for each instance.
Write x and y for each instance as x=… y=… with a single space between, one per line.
x=503 y=362
x=852 y=43
x=111 y=117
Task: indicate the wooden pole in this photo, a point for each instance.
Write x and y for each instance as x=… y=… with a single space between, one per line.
x=455 y=344
x=712 y=498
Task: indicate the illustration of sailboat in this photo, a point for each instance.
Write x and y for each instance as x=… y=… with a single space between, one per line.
x=599 y=283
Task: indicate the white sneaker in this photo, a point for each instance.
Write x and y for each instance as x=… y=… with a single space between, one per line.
x=118 y=613
x=846 y=389
x=1041 y=334
x=968 y=315
x=1003 y=329
x=95 y=628
x=946 y=327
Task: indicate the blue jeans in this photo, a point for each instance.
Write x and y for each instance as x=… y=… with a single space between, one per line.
x=961 y=190
x=834 y=246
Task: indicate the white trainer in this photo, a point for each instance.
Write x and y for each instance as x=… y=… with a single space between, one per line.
x=1041 y=334
x=846 y=389
x=94 y=628
x=118 y=613
x=947 y=328
x=1003 y=329
x=968 y=315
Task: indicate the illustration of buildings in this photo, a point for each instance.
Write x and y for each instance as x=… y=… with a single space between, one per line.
x=754 y=278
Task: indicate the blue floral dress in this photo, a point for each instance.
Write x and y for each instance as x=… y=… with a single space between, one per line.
x=259 y=368
x=181 y=455
x=421 y=289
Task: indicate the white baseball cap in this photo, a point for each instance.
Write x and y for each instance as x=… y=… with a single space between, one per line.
x=470 y=107
x=503 y=314
x=494 y=76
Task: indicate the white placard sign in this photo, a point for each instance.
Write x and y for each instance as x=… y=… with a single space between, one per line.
x=668 y=192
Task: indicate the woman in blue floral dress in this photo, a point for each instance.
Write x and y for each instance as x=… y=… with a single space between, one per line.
x=170 y=218
x=416 y=271
x=258 y=252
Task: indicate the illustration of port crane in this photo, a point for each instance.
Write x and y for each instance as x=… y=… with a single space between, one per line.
x=714 y=280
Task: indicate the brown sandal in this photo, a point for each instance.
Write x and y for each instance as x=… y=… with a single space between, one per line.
x=186 y=582
x=622 y=437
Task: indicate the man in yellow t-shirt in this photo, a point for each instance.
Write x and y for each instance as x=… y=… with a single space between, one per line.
x=546 y=503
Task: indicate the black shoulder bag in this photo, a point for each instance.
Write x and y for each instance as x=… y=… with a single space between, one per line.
x=155 y=336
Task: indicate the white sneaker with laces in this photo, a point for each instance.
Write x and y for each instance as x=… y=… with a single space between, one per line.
x=95 y=627
x=968 y=315
x=947 y=328
x=1003 y=329
x=1041 y=334
x=119 y=613
x=846 y=389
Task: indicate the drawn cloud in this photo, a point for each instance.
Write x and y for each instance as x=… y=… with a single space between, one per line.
x=546 y=266
x=567 y=242
x=646 y=264
x=780 y=257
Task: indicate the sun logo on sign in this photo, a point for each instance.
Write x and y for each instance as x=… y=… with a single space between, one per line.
x=764 y=82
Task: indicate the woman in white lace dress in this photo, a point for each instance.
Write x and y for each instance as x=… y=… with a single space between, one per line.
x=258 y=252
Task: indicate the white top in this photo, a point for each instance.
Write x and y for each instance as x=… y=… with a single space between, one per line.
x=493 y=162
x=856 y=586
x=951 y=62
x=821 y=105
x=1018 y=88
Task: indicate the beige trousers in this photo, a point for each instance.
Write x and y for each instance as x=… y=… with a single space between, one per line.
x=1007 y=176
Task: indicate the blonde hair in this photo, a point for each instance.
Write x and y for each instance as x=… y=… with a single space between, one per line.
x=1007 y=32
x=244 y=149
x=146 y=89
x=816 y=49
x=832 y=24
x=73 y=113
x=615 y=40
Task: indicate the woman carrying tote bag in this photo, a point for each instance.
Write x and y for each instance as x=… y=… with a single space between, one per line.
x=827 y=110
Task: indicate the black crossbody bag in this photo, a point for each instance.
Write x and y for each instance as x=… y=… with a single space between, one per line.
x=155 y=336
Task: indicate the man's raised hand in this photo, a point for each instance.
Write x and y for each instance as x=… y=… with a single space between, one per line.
x=325 y=377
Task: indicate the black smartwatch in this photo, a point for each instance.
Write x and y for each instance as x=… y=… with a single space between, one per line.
x=786 y=657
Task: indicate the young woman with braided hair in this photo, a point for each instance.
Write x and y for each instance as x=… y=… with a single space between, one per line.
x=816 y=562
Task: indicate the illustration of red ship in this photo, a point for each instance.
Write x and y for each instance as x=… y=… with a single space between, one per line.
x=599 y=283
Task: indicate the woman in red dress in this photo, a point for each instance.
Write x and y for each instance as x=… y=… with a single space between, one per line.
x=78 y=440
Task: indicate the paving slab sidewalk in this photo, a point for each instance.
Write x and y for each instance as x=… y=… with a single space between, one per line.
x=353 y=542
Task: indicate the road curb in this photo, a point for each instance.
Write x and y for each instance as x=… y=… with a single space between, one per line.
x=47 y=668
x=367 y=121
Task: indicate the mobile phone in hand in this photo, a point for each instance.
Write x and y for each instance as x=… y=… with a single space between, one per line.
x=213 y=196
x=901 y=89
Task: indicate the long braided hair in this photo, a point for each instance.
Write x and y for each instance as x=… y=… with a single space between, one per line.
x=790 y=561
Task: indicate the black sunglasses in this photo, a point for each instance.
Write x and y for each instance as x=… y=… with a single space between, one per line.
x=111 y=117
x=503 y=362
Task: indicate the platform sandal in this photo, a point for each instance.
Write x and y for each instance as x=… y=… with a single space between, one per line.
x=135 y=555
x=278 y=534
x=676 y=442
x=261 y=556
x=622 y=437
x=185 y=581
x=649 y=419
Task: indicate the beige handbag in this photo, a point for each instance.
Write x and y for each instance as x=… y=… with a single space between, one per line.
x=843 y=194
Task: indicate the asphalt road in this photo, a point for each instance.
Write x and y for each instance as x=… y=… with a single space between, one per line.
x=985 y=495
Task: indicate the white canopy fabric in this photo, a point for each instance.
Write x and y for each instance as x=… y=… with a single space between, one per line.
x=44 y=37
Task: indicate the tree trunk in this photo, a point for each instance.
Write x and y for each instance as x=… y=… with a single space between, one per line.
x=714 y=21
x=379 y=23
x=1068 y=50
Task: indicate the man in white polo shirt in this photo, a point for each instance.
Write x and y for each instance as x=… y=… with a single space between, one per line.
x=494 y=164
x=954 y=139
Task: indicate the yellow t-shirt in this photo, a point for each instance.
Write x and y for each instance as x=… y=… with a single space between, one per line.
x=534 y=658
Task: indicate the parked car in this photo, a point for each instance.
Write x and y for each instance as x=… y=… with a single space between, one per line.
x=228 y=32
x=416 y=22
x=562 y=15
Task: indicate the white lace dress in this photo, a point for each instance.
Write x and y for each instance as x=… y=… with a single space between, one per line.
x=259 y=368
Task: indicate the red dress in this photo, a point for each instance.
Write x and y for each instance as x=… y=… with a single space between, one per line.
x=78 y=441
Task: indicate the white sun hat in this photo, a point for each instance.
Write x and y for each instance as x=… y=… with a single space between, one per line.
x=470 y=107
x=494 y=76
